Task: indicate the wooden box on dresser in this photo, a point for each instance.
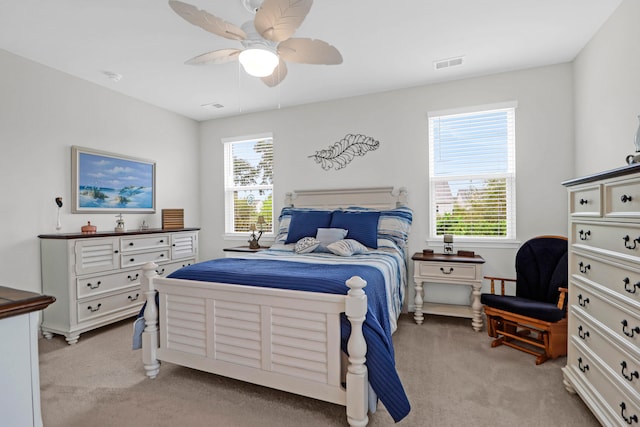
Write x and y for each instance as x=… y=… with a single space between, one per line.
x=603 y=359
x=96 y=277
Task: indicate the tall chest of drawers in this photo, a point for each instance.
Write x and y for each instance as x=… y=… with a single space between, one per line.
x=96 y=277
x=603 y=359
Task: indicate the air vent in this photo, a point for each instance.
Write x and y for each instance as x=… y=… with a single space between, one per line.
x=212 y=106
x=449 y=62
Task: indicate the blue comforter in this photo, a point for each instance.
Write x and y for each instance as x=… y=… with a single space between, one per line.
x=383 y=376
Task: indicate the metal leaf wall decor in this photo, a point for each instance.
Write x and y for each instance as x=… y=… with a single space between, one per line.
x=342 y=152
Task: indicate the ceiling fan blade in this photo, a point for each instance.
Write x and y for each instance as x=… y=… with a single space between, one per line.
x=277 y=20
x=220 y=56
x=277 y=76
x=207 y=21
x=309 y=51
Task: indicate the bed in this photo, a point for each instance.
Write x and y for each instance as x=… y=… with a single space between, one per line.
x=286 y=317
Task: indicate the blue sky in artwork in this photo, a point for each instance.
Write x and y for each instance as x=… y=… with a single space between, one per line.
x=110 y=172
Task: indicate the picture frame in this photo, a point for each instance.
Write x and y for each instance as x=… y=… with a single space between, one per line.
x=105 y=182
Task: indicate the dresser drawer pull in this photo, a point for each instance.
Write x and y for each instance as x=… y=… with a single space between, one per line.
x=582 y=302
x=133 y=298
x=584 y=269
x=161 y=240
x=584 y=235
x=160 y=272
x=446 y=272
x=631 y=375
x=161 y=255
x=632 y=331
x=583 y=335
x=628 y=288
x=632 y=419
x=626 y=242
x=133 y=278
x=93 y=310
x=583 y=201
x=130 y=243
x=132 y=259
x=584 y=368
x=625 y=198
x=96 y=286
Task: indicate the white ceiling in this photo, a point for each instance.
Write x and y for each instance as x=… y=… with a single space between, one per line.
x=385 y=45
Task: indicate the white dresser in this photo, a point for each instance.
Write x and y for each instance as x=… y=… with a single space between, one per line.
x=96 y=277
x=603 y=360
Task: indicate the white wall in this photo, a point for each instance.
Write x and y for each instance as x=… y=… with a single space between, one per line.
x=607 y=93
x=398 y=119
x=43 y=113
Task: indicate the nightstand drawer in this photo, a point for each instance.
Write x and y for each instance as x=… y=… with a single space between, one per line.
x=447 y=271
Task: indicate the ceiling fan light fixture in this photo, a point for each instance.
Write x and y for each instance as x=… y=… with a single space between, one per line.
x=258 y=62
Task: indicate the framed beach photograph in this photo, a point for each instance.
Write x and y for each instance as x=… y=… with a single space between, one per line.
x=106 y=182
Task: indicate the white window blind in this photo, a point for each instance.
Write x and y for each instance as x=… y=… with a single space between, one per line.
x=472 y=173
x=248 y=167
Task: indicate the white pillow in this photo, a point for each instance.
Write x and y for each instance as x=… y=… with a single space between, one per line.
x=328 y=236
x=306 y=245
x=347 y=247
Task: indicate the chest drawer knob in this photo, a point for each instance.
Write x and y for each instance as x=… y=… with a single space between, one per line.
x=624 y=374
x=626 y=242
x=582 y=302
x=630 y=420
x=133 y=298
x=583 y=201
x=584 y=269
x=625 y=198
x=133 y=278
x=94 y=309
x=584 y=235
x=583 y=368
x=630 y=288
x=92 y=286
x=583 y=335
x=631 y=332
x=446 y=272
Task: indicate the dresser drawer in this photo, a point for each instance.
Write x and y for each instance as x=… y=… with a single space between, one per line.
x=619 y=318
x=97 y=285
x=612 y=239
x=110 y=304
x=444 y=271
x=621 y=403
x=585 y=201
x=622 y=198
x=133 y=259
x=615 y=354
x=609 y=274
x=156 y=241
x=164 y=270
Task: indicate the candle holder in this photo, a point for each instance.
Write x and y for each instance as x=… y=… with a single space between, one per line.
x=448 y=244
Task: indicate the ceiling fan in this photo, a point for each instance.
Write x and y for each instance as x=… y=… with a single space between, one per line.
x=266 y=41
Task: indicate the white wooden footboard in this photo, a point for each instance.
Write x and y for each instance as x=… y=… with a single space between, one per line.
x=283 y=339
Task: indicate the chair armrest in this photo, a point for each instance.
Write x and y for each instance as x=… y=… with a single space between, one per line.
x=562 y=297
x=502 y=280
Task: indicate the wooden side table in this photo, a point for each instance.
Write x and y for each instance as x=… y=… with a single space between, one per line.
x=453 y=270
x=241 y=250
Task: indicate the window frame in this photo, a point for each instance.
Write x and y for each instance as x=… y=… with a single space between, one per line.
x=510 y=240
x=229 y=208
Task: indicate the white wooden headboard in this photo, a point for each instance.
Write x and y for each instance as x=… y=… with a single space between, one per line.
x=373 y=198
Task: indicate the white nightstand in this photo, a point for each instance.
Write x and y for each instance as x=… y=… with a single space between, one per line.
x=453 y=270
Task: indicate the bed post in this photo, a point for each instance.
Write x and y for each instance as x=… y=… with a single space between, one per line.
x=150 y=334
x=357 y=380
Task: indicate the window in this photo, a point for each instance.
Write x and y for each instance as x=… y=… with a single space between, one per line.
x=472 y=173
x=248 y=182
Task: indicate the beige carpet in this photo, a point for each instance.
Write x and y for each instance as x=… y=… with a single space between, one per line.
x=450 y=373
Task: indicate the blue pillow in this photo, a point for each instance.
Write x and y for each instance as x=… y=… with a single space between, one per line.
x=362 y=225
x=306 y=224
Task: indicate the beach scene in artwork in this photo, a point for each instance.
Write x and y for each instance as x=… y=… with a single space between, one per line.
x=106 y=182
